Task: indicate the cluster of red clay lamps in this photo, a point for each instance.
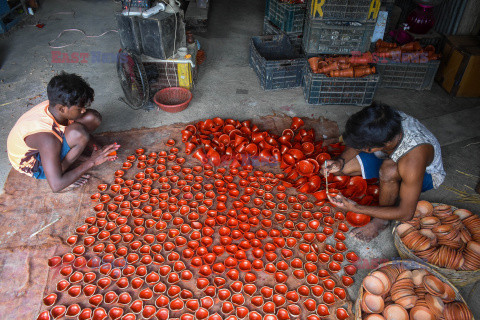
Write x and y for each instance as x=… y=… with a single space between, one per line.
x=175 y=239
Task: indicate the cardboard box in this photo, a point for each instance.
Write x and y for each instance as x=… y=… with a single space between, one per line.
x=459 y=70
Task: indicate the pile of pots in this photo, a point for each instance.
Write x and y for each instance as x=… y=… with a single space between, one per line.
x=443 y=236
x=297 y=152
x=400 y=292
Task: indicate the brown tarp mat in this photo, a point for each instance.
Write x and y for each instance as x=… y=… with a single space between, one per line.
x=28 y=205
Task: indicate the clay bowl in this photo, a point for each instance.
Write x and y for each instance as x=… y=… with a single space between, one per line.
x=424 y=208
x=434 y=285
x=374 y=285
x=305 y=167
x=421 y=313
x=395 y=311
x=372 y=303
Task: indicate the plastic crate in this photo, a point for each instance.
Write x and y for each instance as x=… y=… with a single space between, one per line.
x=136 y=3
x=418 y=76
x=277 y=63
x=346 y=10
x=288 y=17
x=336 y=37
x=322 y=90
x=295 y=37
x=4 y=8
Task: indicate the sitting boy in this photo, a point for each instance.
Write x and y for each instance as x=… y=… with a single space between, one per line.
x=50 y=137
x=398 y=150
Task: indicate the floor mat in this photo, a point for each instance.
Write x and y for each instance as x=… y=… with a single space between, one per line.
x=35 y=222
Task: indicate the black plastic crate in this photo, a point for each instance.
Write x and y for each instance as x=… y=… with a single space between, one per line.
x=323 y=90
x=418 y=76
x=336 y=37
x=286 y=16
x=277 y=63
x=346 y=10
x=295 y=37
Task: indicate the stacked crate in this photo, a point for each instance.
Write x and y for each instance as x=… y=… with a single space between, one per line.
x=411 y=75
x=277 y=63
x=285 y=17
x=341 y=27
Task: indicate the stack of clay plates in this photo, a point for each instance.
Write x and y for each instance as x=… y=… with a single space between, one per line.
x=444 y=236
x=409 y=291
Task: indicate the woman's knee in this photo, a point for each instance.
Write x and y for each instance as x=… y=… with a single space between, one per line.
x=389 y=171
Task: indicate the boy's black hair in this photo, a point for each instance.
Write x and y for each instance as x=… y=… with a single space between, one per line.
x=69 y=89
x=372 y=127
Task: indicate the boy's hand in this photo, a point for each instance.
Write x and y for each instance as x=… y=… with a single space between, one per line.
x=106 y=153
x=331 y=166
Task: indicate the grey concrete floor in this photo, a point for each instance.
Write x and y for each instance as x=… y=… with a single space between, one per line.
x=226 y=87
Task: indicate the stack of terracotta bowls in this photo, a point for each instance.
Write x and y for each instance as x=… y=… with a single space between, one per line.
x=443 y=236
x=408 y=291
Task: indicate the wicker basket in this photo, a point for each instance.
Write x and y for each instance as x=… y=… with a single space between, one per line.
x=457 y=277
x=409 y=264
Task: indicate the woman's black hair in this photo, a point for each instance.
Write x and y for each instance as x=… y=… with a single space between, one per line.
x=69 y=89
x=372 y=127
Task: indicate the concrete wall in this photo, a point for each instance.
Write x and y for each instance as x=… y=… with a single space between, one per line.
x=470 y=22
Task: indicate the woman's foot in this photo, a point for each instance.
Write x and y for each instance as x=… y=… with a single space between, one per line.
x=371 y=230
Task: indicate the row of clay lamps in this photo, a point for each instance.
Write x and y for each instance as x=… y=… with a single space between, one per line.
x=406 y=52
x=443 y=236
x=163 y=227
x=343 y=66
x=395 y=292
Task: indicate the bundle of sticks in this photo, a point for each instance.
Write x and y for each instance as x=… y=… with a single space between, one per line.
x=343 y=66
x=409 y=52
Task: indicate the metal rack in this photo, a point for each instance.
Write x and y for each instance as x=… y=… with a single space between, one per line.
x=142 y=76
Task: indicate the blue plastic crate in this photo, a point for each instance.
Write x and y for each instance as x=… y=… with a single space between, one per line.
x=336 y=37
x=323 y=90
x=9 y=16
x=4 y=7
x=286 y=16
x=417 y=76
x=277 y=63
x=295 y=37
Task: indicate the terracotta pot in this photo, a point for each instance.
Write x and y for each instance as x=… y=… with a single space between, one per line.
x=189 y=147
x=330 y=67
x=383 y=44
x=257 y=137
x=214 y=157
x=363 y=59
x=342 y=73
x=251 y=149
x=265 y=155
x=296 y=123
x=360 y=72
x=186 y=134
x=314 y=64
x=411 y=46
x=200 y=155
